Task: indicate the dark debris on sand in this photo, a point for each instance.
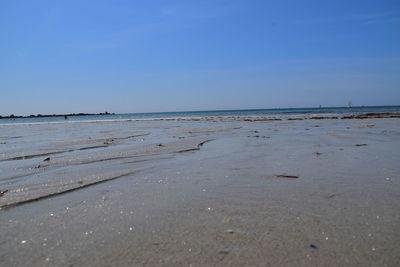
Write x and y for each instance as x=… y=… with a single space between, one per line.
x=360 y=144
x=286 y=176
x=2 y=192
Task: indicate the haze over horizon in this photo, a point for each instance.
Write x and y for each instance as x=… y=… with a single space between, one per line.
x=132 y=56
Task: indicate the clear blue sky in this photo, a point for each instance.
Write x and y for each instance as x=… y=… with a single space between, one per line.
x=141 y=56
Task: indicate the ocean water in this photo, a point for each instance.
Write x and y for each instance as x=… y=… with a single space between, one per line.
x=209 y=113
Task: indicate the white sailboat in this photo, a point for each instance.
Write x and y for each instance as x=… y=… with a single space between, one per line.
x=350 y=104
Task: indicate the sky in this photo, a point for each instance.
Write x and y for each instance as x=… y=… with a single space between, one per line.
x=128 y=56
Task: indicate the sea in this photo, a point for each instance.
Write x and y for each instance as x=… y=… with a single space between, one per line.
x=212 y=113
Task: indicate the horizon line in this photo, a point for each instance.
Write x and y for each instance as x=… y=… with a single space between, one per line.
x=181 y=111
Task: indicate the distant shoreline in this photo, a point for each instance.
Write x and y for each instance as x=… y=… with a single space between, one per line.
x=380 y=111
x=12 y=116
x=244 y=118
x=264 y=111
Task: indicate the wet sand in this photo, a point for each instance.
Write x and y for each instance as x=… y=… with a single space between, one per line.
x=223 y=191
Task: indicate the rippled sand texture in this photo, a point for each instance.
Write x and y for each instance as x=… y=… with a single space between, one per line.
x=203 y=192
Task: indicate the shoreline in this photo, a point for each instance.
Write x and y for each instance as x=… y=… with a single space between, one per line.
x=12 y=116
x=249 y=118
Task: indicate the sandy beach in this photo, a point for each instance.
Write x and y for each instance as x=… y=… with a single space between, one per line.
x=215 y=191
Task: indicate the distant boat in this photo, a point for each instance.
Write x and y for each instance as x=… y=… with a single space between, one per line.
x=350 y=104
